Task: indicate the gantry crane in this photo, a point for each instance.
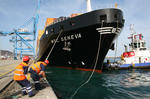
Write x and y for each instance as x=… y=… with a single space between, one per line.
x=22 y=38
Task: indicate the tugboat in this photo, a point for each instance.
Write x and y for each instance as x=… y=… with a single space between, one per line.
x=138 y=56
x=79 y=42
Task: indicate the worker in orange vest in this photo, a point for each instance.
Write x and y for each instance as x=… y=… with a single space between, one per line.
x=20 y=76
x=37 y=71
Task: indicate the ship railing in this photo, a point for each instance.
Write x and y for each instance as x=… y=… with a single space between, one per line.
x=60 y=19
x=109 y=30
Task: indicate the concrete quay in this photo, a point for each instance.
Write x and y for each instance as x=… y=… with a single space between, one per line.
x=9 y=89
x=46 y=93
x=6 y=72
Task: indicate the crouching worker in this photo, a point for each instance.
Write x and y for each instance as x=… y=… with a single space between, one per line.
x=19 y=76
x=37 y=71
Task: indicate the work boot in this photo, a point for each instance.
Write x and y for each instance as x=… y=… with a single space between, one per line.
x=24 y=93
x=31 y=94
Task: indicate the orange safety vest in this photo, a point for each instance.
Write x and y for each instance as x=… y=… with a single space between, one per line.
x=36 y=67
x=19 y=72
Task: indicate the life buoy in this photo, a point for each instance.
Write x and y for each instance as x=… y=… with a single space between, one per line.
x=125 y=54
x=130 y=54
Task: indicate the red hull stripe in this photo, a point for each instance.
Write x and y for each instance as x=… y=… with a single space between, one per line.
x=82 y=69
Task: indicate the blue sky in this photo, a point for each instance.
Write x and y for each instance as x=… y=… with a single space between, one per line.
x=14 y=13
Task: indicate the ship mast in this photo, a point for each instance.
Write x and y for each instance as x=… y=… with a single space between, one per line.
x=132 y=35
x=88 y=5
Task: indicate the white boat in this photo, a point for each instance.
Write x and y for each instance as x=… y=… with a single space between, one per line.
x=138 y=56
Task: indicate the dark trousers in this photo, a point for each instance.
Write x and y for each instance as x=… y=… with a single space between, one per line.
x=26 y=87
x=36 y=79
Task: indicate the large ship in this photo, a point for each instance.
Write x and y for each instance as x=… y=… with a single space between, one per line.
x=81 y=42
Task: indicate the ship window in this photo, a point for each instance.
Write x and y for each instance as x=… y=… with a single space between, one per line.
x=131 y=44
x=138 y=44
x=142 y=48
x=135 y=45
x=143 y=44
x=103 y=17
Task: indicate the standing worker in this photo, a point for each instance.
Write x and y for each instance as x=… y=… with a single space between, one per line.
x=20 y=76
x=37 y=71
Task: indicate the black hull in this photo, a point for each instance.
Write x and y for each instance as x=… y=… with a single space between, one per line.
x=78 y=44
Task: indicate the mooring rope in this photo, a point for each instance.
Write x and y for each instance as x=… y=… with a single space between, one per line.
x=5 y=73
x=54 y=44
x=97 y=55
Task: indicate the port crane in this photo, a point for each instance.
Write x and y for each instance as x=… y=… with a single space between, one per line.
x=23 y=39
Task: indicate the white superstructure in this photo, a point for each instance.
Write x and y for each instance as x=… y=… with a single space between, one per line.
x=138 y=52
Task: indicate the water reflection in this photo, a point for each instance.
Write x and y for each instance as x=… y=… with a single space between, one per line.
x=133 y=84
x=123 y=84
x=136 y=78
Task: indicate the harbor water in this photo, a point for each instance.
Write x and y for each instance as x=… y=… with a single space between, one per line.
x=124 y=84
